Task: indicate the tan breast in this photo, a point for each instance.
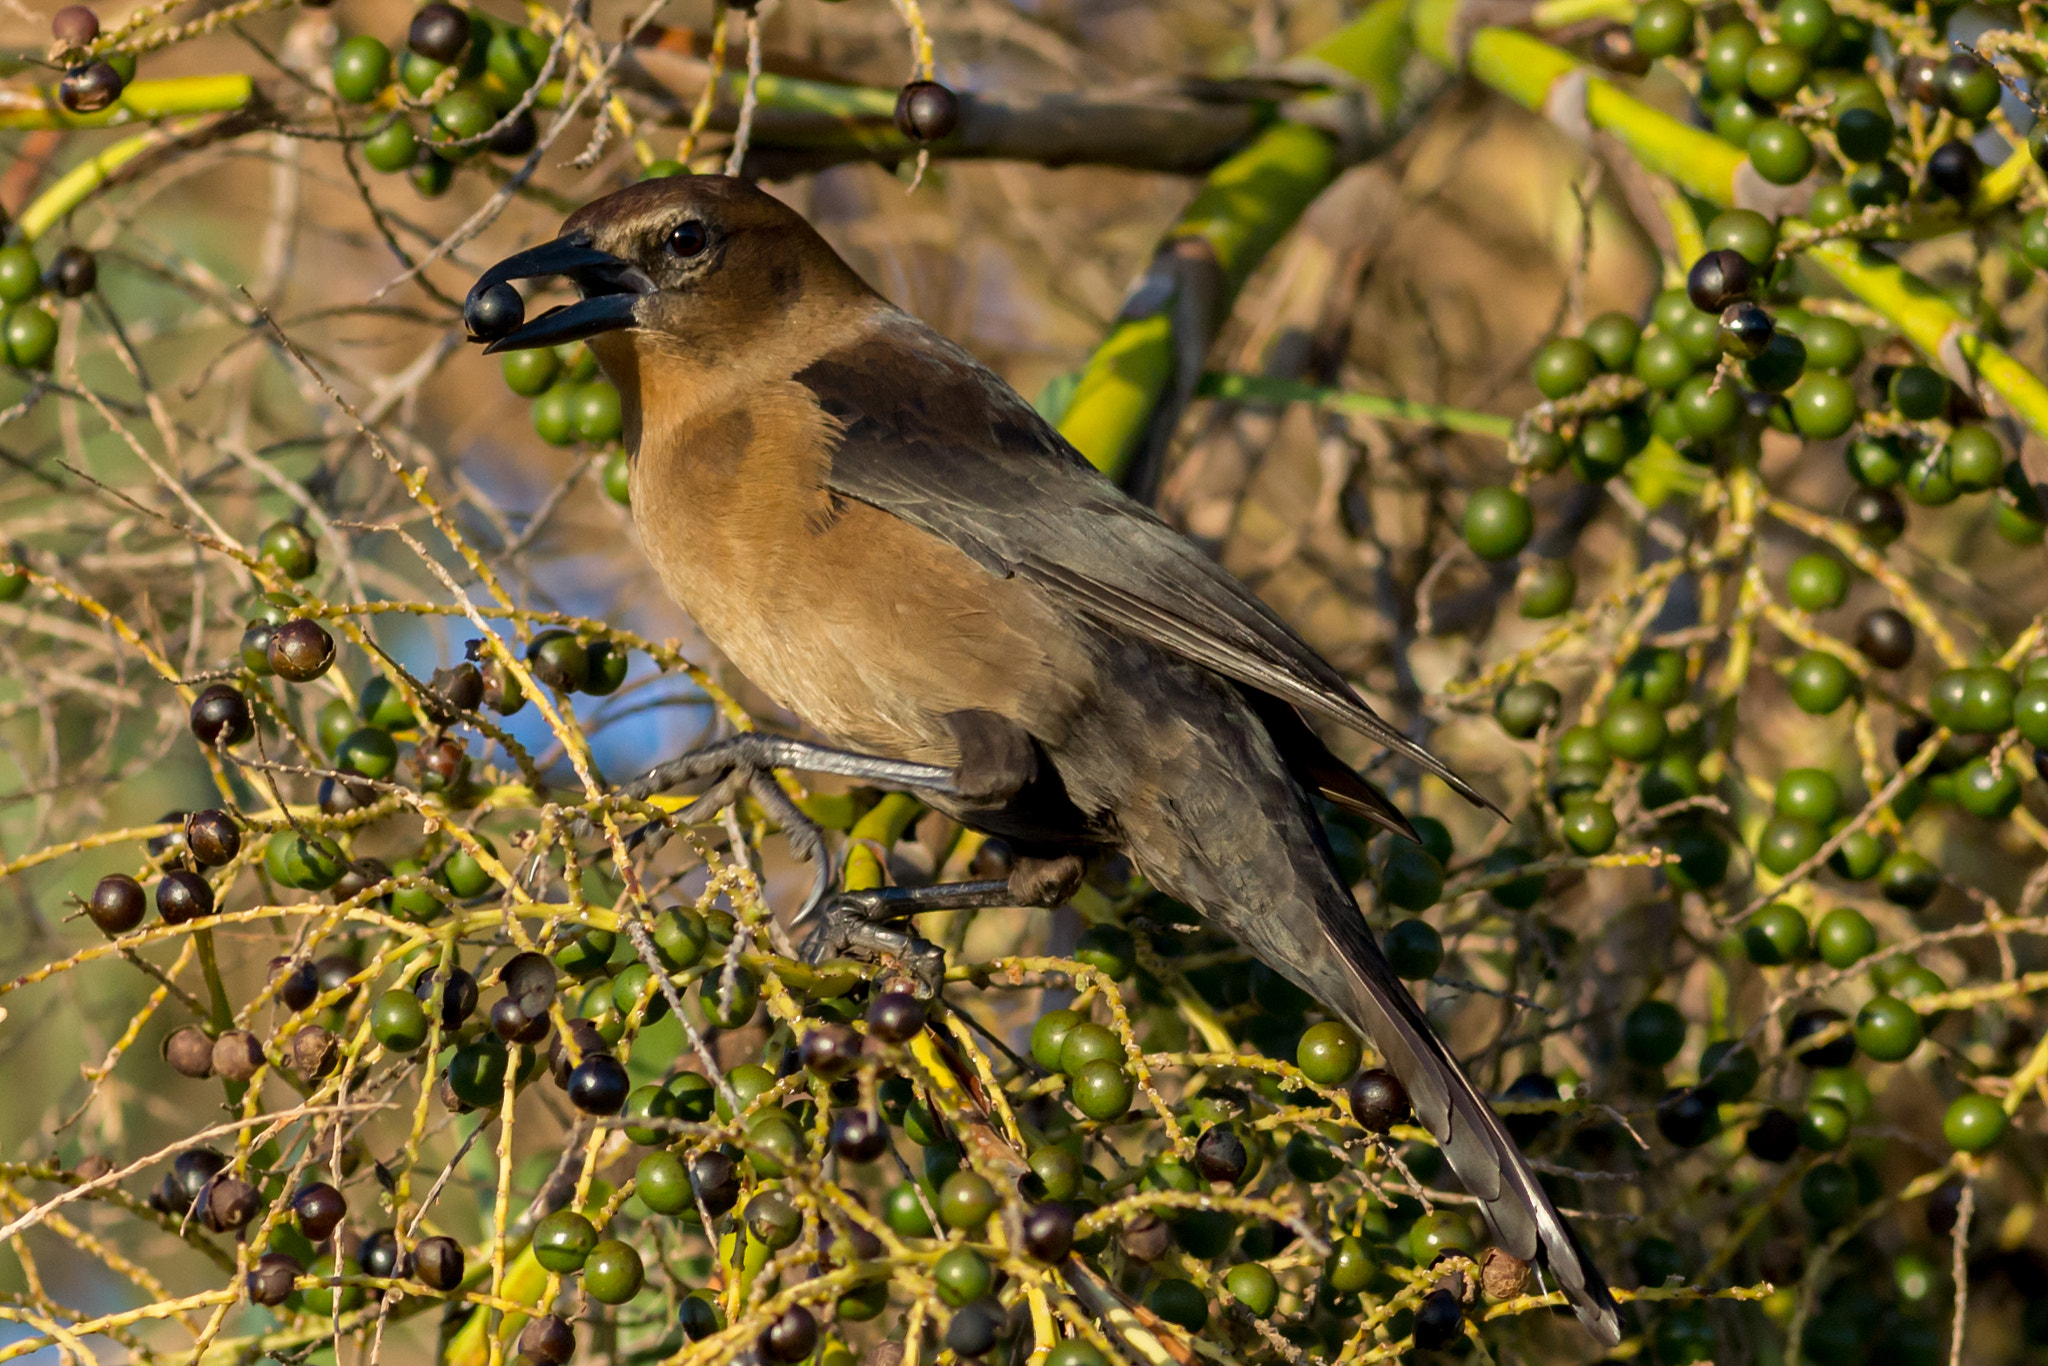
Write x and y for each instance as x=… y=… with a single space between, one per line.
x=863 y=625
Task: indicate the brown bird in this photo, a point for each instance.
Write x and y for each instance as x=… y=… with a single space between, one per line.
x=894 y=545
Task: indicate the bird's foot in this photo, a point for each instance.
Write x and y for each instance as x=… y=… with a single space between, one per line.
x=745 y=764
x=854 y=925
x=872 y=926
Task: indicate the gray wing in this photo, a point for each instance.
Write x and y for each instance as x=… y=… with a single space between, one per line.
x=930 y=436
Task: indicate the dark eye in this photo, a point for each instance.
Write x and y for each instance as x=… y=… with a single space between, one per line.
x=687 y=238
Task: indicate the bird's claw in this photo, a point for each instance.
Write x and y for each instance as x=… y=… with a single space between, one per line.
x=860 y=925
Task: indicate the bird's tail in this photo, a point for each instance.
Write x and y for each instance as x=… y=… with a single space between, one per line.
x=1489 y=1164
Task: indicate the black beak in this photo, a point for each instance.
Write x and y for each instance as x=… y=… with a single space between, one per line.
x=610 y=287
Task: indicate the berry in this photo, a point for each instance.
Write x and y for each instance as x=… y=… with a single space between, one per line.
x=1498 y=522
x=220 y=716
x=1101 y=1090
x=90 y=88
x=792 y=1337
x=1887 y=1029
x=859 y=1136
x=183 y=896
x=1718 y=279
x=1589 y=827
x=1687 y=1117
x=1970 y=85
x=362 y=68
x=439 y=32
x=1414 y=949
x=1220 y=1155
x=75 y=26
x=896 y=1017
x=1439 y=1321
x=1776 y=936
x=288 y=546
x=559 y=660
x=546 y=1341
x=300 y=650
x=830 y=1051
x=1835 y=1053
x=1378 y=1100
x=237 y=1055
x=598 y=1085
x=1249 y=1283
x=393 y=149
x=319 y=1208
x=1918 y=392
x=1819 y=682
x=438 y=1263
x=1745 y=330
x=189 y=1052
x=1974 y=1123
x=613 y=1273
x=966 y=1200
x=398 y=1022
x=1329 y=1053
x=1817 y=582
x=117 y=905
x=1525 y=708
x=1773 y=72
x=1563 y=366
x=497 y=312
x=1774 y=1137
x=562 y=1242
x=1954 y=168
x=926 y=111
x=270 y=1281
x=1653 y=1033
x=962 y=1276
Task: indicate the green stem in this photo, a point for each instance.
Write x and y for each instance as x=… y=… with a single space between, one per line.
x=140 y=100
x=1244 y=207
x=75 y=185
x=1526 y=70
x=1260 y=389
x=220 y=1014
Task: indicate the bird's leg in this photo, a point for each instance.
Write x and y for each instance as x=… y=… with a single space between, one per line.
x=874 y=925
x=746 y=763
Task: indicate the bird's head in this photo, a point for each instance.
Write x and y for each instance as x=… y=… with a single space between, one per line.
x=688 y=263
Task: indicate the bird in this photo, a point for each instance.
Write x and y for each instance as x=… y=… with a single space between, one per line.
x=890 y=542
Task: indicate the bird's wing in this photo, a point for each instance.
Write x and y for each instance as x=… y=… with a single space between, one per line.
x=930 y=436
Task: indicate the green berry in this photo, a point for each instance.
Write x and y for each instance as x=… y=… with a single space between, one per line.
x=1653 y=1033
x=30 y=337
x=1823 y=406
x=464 y=876
x=1249 y=1283
x=1411 y=878
x=1415 y=950
x=1788 y=841
x=393 y=149
x=1823 y=1125
x=597 y=413
x=1498 y=522
x=530 y=373
x=618 y=477
x=21 y=277
x=1727 y=54
x=1817 y=582
x=966 y=1201
x=1633 y=729
x=1828 y=1193
x=648 y=1108
x=1745 y=232
x=963 y=1276
x=1865 y=135
x=1613 y=338
x=1976 y=458
x=1844 y=937
x=1329 y=1053
x=1805 y=24
x=1662 y=362
x=1831 y=345
x=613 y=1274
x=1819 y=682
x=1706 y=409
x=1773 y=73
x=1049 y=1034
x=367 y=751
x=1589 y=827
x=2034 y=238
x=1563 y=366
x=904 y=1212
x=1887 y=1029
x=1089 y=1042
x=1974 y=1123
x=1179 y=1302
x=362 y=68
x=1780 y=153
x=1101 y=1090
x=1728 y=1070
x=1522 y=709
x=554 y=415
x=562 y=1242
x=1547 y=588
x=1811 y=793
x=1983 y=790
x=398 y=1021
x=1908 y=880
x=663 y=1184
x=1776 y=936
x=384 y=706
x=1918 y=392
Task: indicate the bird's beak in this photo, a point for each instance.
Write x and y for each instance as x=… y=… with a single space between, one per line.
x=610 y=286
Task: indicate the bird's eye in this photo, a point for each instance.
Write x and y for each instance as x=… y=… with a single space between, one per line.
x=687 y=238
